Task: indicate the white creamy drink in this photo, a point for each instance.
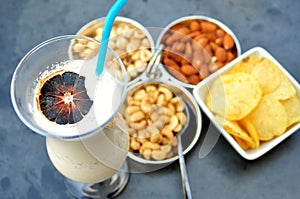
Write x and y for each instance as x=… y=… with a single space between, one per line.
x=98 y=155
x=90 y=159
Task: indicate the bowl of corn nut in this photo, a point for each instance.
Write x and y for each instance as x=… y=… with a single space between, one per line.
x=129 y=39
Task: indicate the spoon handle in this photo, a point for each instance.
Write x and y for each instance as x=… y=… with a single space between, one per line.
x=184 y=176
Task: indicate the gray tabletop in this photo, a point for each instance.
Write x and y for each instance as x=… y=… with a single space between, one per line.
x=25 y=170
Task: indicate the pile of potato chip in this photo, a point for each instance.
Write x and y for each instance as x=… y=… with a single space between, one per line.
x=254 y=102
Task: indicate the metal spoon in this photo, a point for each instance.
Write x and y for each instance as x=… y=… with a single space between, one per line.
x=184 y=175
x=152 y=71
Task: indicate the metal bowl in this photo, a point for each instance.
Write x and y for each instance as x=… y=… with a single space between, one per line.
x=89 y=29
x=197 y=17
x=190 y=132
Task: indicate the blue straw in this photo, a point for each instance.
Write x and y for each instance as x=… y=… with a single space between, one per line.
x=109 y=20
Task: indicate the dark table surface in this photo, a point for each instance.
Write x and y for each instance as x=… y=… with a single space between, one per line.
x=25 y=170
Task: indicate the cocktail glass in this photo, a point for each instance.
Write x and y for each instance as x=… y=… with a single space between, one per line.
x=89 y=149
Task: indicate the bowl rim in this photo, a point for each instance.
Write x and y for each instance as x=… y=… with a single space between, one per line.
x=251 y=154
x=197 y=130
x=200 y=17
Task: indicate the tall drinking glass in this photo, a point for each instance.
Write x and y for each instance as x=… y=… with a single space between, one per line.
x=56 y=93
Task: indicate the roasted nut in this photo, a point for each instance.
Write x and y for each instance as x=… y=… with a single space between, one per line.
x=154 y=115
x=145 y=55
x=147 y=154
x=78 y=47
x=166 y=148
x=221 y=54
x=167 y=132
x=194 y=26
x=156 y=138
x=138 y=125
x=188 y=70
x=132 y=102
x=182 y=118
x=126 y=40
x=188 y=54
x=153 y=130
x=134 y=144
x=150 y=145
x=173 y=123
x=207 y=26
x=146 y=105
x=158 y=155
x=228 y=42
x=132 y=109
x=174 y=142
x=142 y=140
x=137 y=116
x=178 y=128
x=167 y=93
x=140 y=94
x=161 y=99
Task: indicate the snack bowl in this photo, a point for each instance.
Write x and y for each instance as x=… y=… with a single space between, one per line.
x=196 y=46
x=205 y=87
x=189 y=130
x=129 y=39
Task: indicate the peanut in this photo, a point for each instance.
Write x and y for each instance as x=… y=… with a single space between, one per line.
x=194 y=79
x=221 y=54
x=194 y=26
x=188 y=70
x=202 y=41
x=228 y=42
x=169 y=62
x=184 y=30
x=196 y=43
x=204 y=72
x=207 y=26
x=220 y=32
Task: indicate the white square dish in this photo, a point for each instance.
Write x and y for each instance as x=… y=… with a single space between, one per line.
x=201 y=90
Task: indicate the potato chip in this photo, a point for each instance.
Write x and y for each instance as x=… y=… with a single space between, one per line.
x=246 y=65
x=285 y=89
x=292 y=107
x=234 y=129
x=269 y=118
x=215 y=100
x=242 y=143
x=267 y=74
x=235 y=95
x=249 y=127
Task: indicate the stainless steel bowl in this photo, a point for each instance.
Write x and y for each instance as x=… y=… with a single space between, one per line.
x=91 y=27
x=198 y=17
x=191 y=131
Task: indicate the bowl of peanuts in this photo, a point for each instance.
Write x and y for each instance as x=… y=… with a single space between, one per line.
x=195 y=47
x=156 y=112
x=128 y=38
